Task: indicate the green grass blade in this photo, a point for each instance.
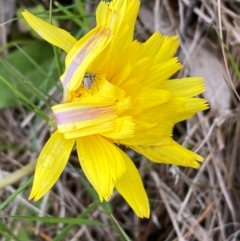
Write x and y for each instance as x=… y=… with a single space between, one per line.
x=55 y=49
x=34 y=90
x=7 y=233
x=229 y=55
x=121 y=231
x=70 y=15
x=78 y=221
x=13 y=195
x=83 y=15
x=28 y=101
x=18 y=42
x=65 y=230
x=58 y=60
x=86 y=184
x=35 y=64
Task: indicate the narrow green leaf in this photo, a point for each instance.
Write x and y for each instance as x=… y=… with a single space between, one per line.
x=85 y=18
x=38 y=67
x=122 y=232
x=86 y=184
x=18 y=42
x=38 y=93
x=70 y=15
x=65 y=230
x=12 y=147
x=229 y=55
x=29 y=102
x=7 y=233
x=13 y=195
x=58 y=60
x=54 y=219
x=19 y=69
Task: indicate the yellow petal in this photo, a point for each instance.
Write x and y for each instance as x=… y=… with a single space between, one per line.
x=153 y=97
x=161 y=47
x=131 y=188
x=100 y=128
x=145 y=98
x=149 y=134
x=120 y=17
x=74 y=115
x=159 y=73
x=117 y=129
x=170 y=153
x=124 y=128
x=102 y=92
x=80 y=56
x=185 y=108
x=101 y=162
x=117 y=15
x=130 y=16
x=187 y=87
x=109 y=16
x=51 y=162
x=124 y=28
x=53 y=35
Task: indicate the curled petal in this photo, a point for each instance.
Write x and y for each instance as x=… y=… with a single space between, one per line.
x=101 y=162
x=80 y=56
x=131 y=188
x=50 y=33
x=51 y=162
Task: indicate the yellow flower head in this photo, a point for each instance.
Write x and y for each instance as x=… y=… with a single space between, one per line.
x=116 y=91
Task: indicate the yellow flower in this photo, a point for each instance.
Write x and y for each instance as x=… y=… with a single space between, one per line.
x=116 y=91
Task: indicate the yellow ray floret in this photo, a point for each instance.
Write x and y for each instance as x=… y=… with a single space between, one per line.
x=101 y=162
x=124 y=128
x=160 y=47
x=50 y=164
x=50 y=33
x=131 y=188
x=170 y=152
x=114 y=14
x=180 y=87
